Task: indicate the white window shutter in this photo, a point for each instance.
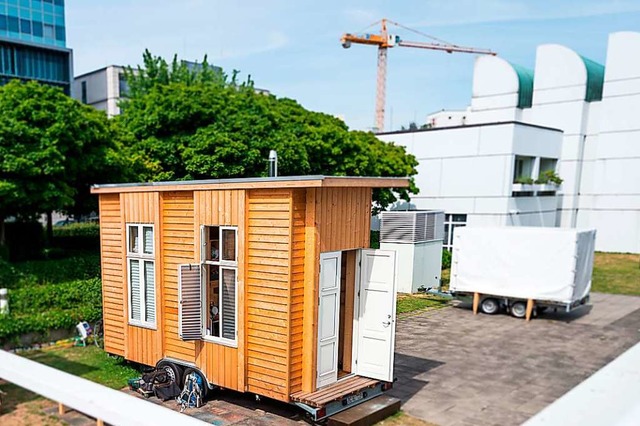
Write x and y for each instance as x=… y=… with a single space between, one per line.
x=134 y=282
x=190 y=302
x=150 y=291
x=229 y=304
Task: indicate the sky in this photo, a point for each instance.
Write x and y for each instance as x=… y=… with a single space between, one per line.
x=292 y=48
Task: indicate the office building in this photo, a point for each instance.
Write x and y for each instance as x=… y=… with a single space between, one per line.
x=33 y=42
x=570 y=115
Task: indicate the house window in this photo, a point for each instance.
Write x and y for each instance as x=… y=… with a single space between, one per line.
x=141 y=275
x=451 y=222
x=220 y=261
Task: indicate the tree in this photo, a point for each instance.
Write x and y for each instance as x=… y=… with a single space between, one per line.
x=51 y=149
x=189 y=125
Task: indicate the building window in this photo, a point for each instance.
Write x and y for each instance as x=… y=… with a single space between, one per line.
x=84 y=92
x=523 y=169
x=141 y=275
x=451 y=222
x=548 y=165
x=123 y=85
x=220 y=267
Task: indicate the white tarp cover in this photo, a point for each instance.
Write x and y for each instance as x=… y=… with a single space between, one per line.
x=552 y=264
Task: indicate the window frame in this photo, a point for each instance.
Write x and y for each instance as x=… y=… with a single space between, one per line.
x=449 y=224
x=141 y=257
x=221 y=264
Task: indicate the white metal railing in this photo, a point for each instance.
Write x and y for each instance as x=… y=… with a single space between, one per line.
x=106 y=405
x=610 y=397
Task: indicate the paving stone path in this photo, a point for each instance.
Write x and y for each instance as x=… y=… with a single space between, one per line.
x=457 y=369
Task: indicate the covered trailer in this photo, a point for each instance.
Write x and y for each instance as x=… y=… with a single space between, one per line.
x=522 y=268
x=262 y=285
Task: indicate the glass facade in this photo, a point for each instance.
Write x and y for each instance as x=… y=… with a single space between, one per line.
x=33 y=42
x=34 y=21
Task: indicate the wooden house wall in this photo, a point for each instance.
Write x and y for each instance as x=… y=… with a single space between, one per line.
x=178 y=240
x=144 y=345
x=297 y=290
x=337 y=219
x=268 y=309
x=114 y=291
x=343 y=217
x=223 y=365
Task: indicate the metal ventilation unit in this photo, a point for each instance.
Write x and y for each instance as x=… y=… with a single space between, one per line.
x=413 y=226
x=416 y=237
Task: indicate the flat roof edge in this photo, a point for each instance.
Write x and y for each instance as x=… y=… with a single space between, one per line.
x=310 y=181
x=496 y=123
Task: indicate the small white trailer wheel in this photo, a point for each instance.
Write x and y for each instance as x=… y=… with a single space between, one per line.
x=519 y=309
x=490 y=306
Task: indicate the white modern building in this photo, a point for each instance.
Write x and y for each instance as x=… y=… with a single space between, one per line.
x=102 y=88
x=105 y=87
x=569 y=114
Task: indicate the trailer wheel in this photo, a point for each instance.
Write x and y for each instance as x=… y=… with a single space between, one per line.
x=174 y=371
x=490 y=306
x=205 y=385
x=519 y=309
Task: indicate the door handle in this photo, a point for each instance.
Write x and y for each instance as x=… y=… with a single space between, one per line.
x=386 y=323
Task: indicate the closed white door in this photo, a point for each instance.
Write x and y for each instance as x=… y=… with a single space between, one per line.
x=376 y=328
x=328 y=318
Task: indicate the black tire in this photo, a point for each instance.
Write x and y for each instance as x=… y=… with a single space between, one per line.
x=205 y=386
x=519 y=309
x=174 y=371
x=490 y=306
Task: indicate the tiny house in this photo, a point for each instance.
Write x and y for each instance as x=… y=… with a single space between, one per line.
x=261 y=285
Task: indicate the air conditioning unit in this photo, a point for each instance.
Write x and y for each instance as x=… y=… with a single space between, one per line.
x=416 y=236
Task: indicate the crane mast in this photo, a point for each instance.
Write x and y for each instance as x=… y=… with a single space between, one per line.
x=384 y=41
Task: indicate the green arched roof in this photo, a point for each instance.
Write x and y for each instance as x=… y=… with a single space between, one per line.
x=595 y=79
x=525 y=86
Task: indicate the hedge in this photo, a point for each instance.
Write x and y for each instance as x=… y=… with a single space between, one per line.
x=77 y=236
x=13 y=326
x=39 y=309
x=38 y=272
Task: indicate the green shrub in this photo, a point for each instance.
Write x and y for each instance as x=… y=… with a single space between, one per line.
x=77 y=236
x=14 y=325
x=549 y=176
x=446 y=259
x=39 y=309
x=62 y=296
x=524 y=180
x=85 y=230
x=37 y=272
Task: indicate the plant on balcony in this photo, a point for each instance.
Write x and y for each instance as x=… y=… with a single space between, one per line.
x=549 y=176
x=525 y=180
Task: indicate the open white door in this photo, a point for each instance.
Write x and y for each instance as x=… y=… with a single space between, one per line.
x=328 y=318
x=376 y=327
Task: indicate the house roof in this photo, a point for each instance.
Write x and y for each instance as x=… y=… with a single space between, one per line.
x=314 y=181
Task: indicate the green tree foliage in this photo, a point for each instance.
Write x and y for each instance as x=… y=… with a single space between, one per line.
x=51 y=149
x=200 y=123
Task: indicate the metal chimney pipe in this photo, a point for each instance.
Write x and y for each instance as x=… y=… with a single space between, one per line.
x=273 y=163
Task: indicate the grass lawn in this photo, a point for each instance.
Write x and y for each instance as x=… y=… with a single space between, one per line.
x=22 y=407
x=616 y=273
x=408 y=303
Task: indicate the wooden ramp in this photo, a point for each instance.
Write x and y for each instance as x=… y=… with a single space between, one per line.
x=333 y=392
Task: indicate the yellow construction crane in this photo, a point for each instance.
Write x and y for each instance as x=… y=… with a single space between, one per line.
x=384 y=40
